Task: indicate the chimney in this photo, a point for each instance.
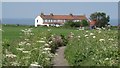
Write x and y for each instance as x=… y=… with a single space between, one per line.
x=42 y=14
x=51 y=14
x=71 y=14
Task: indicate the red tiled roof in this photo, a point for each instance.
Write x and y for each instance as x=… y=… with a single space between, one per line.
x=63 y=17
x=92 y=22
x=53 y=23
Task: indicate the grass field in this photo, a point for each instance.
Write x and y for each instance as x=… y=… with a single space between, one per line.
x=24 y=45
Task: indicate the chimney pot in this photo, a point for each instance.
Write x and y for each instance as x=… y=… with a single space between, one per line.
x=71 y=14
x=42 y=13
x=51 y=14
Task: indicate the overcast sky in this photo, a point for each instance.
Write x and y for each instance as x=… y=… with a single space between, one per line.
x=32 y=9
x=60 y=0
x=0 y=10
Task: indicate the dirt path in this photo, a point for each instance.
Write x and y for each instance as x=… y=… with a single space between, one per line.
x=59 y=59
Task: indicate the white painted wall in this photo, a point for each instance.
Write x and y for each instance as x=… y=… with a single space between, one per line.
x=39 y=22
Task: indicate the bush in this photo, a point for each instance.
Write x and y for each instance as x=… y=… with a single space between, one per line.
x=57 y=41
x=69 y=24
x=84 y=23
x=76 y=24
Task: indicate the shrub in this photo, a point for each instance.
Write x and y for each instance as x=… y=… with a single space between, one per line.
x=57 y=41
x=84 y=23
x=76 y=24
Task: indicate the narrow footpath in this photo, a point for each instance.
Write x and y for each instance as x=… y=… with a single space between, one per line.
x=59 y=59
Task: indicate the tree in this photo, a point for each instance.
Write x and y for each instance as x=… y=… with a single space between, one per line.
x=101 y=18
x=84 y=23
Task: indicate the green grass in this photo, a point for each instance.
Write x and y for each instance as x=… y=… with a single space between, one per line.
x=12 y=32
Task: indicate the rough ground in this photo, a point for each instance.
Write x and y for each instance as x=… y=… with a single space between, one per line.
x=59 y=59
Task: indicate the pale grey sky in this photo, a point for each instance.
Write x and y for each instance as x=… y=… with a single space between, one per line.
x=60 y=0
x=0 y=10
x=32 y=9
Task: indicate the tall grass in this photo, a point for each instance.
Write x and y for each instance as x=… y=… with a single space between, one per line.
x=93 y=48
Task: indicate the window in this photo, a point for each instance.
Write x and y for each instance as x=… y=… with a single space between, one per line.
x=46 y=20
x=54 y=20
x=37 y=21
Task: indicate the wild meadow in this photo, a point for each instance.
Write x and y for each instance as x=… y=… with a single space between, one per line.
x=93 y=48
x=30 y=46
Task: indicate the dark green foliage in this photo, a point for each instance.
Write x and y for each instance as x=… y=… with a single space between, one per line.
x=101 y=18
x=84 y=23
x=69 y=24
x=76 y=24
x=65 y=40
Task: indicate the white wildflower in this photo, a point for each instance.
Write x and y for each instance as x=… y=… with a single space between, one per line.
x=71 y=33
x=78 y=36
x=49 y=29
x=11 y=55
x=26 y=51
x=103 y=28
x=50 y=42
x=47 y=59
x=106 y=58
x=28 y=57
x=94 y=36
x=86 y=35
x=26 y=39
x=27 y=31
x=71 y=36
x=42 y=38
x=44 y=52
x=35 y=48
x=22 y=43
x=47 y=49
x=31 y=33
x=51 y=55
x=46 y=44
x=52 y=35
x=1 y=30
x=93 y=58
x=35 y=64
x=99 y=31
x=101 y=40
x=56 y=54
x=41 y=41
x=15 y=63
x=28 y=44
x=91 y=34
x=110 y=39
x=86 y=31
x=20 y=49
x=83 y=28
x=98 y=28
